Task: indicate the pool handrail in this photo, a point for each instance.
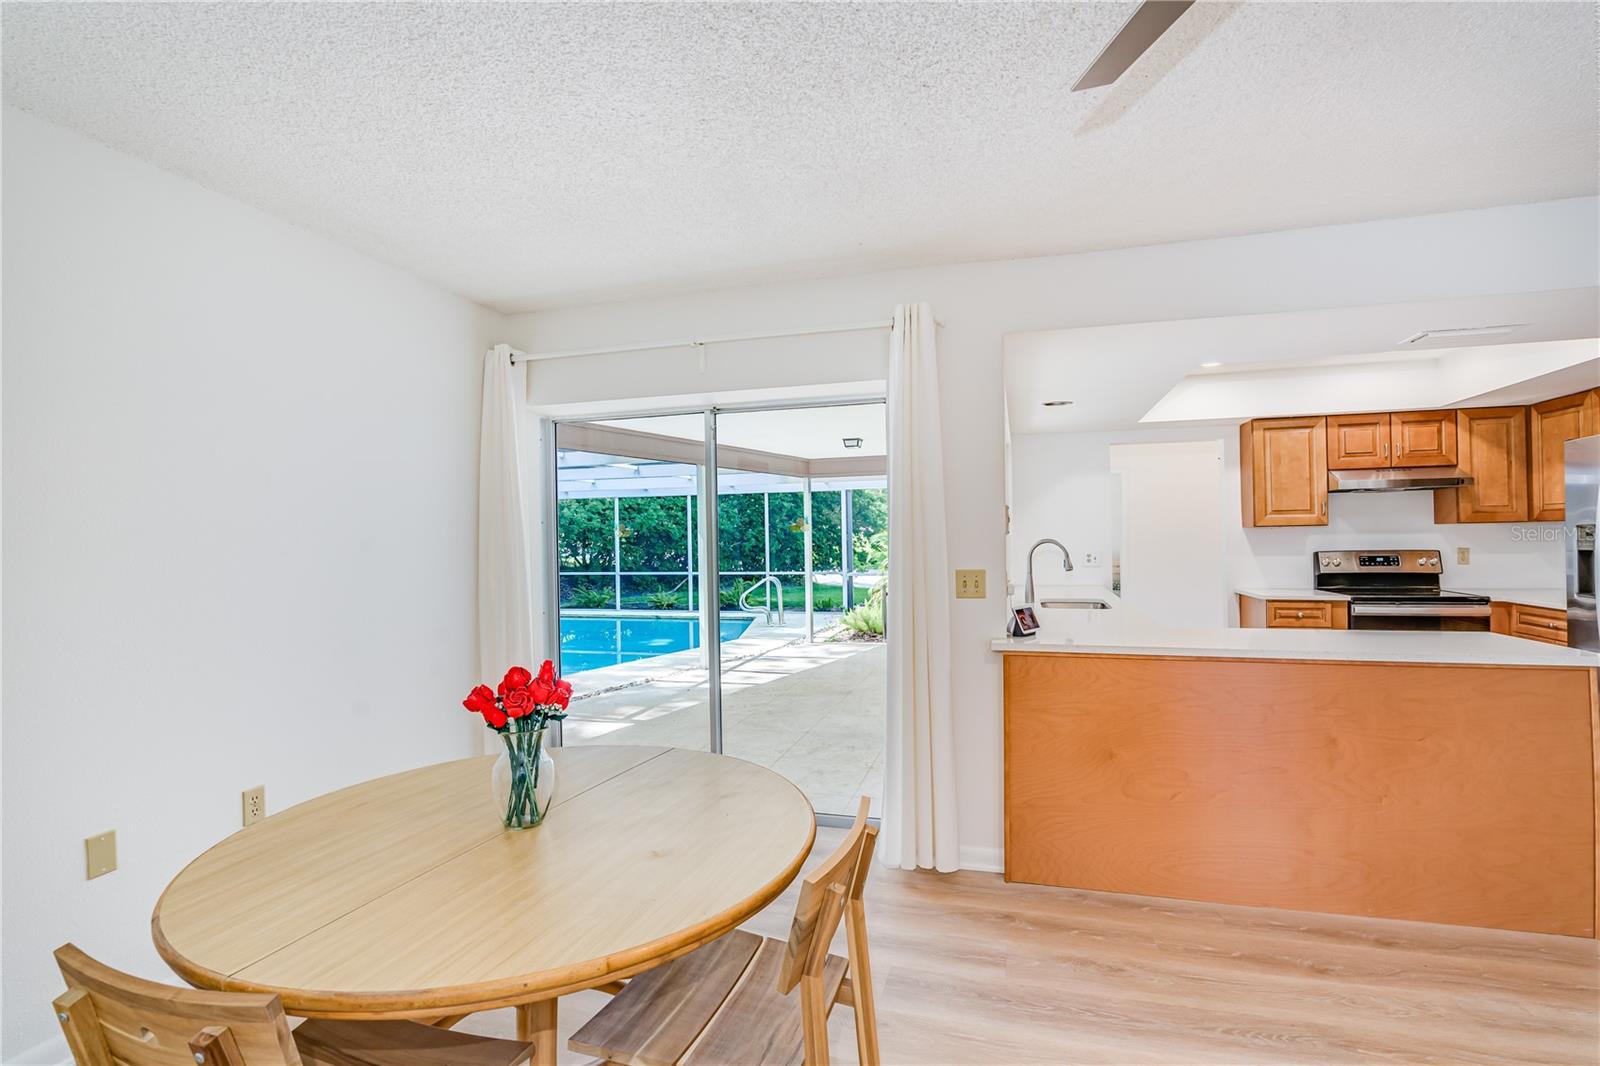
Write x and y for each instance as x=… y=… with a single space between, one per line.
x=744 y=598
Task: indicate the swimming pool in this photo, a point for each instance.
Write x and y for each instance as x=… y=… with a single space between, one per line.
x=592 y=639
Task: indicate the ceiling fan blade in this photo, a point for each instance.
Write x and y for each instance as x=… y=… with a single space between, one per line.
x=1149 y=22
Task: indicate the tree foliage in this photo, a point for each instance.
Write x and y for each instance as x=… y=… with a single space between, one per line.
x=659 y=533
x=585 y=534
x=655 y=532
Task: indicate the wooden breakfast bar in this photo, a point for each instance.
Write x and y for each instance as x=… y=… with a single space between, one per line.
x=1434 y=777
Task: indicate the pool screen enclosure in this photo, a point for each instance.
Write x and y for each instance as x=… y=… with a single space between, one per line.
x=650 y=554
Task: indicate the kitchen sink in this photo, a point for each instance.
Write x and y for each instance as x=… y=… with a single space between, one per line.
x=1077 y=605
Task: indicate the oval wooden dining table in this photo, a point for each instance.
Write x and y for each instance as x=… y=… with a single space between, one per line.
x=404 y=897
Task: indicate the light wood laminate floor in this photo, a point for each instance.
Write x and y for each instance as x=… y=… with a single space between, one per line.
x=972 y=970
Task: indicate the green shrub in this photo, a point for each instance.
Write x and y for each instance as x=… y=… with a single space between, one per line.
x=729 y=596
x=866 y=620
x=590 y=598
x=664 y=601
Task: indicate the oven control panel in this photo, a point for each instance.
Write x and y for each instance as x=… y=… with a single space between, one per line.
x=1384 y=562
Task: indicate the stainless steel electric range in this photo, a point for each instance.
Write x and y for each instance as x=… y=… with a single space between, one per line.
x=1398 y=590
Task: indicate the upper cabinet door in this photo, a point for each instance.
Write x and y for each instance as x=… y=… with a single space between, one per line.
x=1553 y=423
x=1358 y=442
x=1493 y=446
x=1423 y=438
x=1283 y=470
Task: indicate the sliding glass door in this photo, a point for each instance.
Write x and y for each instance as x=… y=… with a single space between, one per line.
x=629 y=628
x=792 y=581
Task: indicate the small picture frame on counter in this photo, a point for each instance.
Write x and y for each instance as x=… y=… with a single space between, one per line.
x=1024 y=623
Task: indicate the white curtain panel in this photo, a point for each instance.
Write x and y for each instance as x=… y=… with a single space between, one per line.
x=919 y=789
x=505 y=583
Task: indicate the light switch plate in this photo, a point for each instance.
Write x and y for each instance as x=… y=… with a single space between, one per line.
x=100 y=854
x=970 y=584
x=1464 y=556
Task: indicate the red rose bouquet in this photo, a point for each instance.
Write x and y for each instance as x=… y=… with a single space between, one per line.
x=521 y=708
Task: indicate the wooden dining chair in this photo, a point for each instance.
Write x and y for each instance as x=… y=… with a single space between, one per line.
x=729 y=1004
x=113 y=1019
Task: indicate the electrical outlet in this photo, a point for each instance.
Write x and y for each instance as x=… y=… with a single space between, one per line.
x=1091 y=558
x=970 y=584
x=1464 y=556
x=254 y=802
x=100 y=854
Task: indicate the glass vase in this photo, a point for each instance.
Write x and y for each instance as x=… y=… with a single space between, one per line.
x=523 y=781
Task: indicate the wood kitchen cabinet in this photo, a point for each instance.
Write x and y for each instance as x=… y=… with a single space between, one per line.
x=1529 y=622
x=1257 y=613
x=1283 y=471
x=1423 y=438
x=1404 y=438
x=1358 y=442
x=1492 y=447
x=1550 y=425
x=1514 y=456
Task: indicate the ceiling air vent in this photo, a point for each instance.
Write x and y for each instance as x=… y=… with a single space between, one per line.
x=1463 y=332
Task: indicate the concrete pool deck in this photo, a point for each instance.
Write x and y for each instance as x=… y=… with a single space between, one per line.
x=812 y=712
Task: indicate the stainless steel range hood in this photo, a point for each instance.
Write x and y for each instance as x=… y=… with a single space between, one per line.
x=1400 y=479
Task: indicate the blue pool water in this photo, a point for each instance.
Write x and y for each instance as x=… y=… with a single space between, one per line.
x=594 y=639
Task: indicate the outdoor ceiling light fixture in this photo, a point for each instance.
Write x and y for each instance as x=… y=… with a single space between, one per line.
x=852 y=442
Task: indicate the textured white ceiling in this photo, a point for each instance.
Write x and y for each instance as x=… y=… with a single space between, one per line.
x=533 y=155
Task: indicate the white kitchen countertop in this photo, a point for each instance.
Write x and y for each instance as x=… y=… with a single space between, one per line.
x=1290 y=594
x=1555 y=599
x=1125 y=632
x=1043 y=591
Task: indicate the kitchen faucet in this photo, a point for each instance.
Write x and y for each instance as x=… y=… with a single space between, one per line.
x=1066 y=565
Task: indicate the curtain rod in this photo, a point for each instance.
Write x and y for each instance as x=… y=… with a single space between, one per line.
x=701 y=342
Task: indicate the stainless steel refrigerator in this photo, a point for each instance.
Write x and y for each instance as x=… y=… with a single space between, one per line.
x=1583 y=496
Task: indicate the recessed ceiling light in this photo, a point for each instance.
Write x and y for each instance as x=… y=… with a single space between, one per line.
x=1057 y=403
x=852 y=442
x=1208 y=366
x=1465 y=331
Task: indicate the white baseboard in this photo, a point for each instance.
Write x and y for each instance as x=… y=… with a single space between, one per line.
x=987 y=860
x=52 y=1052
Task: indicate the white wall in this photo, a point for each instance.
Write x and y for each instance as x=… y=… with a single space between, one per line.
x=1513 y=249
x=1172 y=487
x=239 y=535
x=1062 y=488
